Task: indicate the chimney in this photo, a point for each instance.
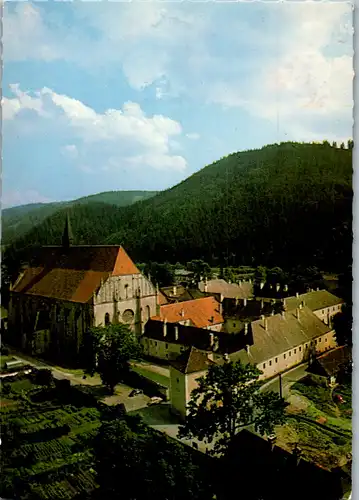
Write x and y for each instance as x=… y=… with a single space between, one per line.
x=245 y=302
x=262 y=304
x=174 y=291
x=297 y=294
x=297 y=452
x=272 y=313
x=211 y=339
x=261 y=286
x=247 y=348
x=176 y=332
x=240 y=282
x=277 y=287
x=262 y=317
x=221 y=298
x=285 y=288
x=284 y=303
x=297 y=313
x=265 y=324
x=301 y=305
x=206 y=286
x=182 y=313
x=149 y=277
x=283 y=314
x=272 y=438
x=226 y=357
x=246 y=328
x=318 y=288
x=165 y=328
x=236 y=301
x=250 y=281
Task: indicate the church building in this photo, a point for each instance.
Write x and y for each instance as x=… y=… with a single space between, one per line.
x=68 y=289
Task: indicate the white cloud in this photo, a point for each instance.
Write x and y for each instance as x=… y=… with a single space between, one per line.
x=288 y=61
x=309 y=82
x=70 y=151
x=21 y=101
x=13 y=198
x=126 y=134
x=193 y=136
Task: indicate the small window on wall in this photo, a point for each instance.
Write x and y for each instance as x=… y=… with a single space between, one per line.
x=316 y=342
x=300 y=349
x=107 y=319
x=295 y=351
x=326 y=339
x=276 y=360
x=264 y=365
x=290 y=353
x=178 y=381
x=320 y=339
x=284 y=356
x=166 y=346
x=306 y=346
x=270 y=363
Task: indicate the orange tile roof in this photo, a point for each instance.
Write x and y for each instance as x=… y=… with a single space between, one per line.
x=75 y=274
x=199 y=312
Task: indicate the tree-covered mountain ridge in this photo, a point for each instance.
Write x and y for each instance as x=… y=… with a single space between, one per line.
x=17 y=221
x=279 y=205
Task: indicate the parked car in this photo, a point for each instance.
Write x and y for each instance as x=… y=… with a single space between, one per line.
x=135 y=392
x=155 y=400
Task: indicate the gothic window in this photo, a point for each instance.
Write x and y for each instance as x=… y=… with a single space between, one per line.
x=107 y=319
x=126 y=291
x=128 y=316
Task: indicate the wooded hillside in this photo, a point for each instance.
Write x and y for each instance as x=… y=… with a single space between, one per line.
x=281 y=205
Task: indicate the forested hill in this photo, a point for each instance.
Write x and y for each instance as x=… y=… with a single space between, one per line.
x=17 y=221
x=280 y=205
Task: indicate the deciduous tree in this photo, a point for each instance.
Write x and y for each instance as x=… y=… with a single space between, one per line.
x=227 y=399
x=108 y=351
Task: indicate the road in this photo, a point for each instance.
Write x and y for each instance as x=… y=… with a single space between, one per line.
x=288 y=379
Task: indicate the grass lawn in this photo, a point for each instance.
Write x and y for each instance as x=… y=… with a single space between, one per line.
x=155 y=377
x=50 y=461
x=321 y=447
x=320 y=404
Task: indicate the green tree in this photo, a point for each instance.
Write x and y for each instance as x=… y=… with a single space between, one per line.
x=260 y=274
x=133 y=462
x=162 y=274
x=342 y=145
x=350 y=144
x=200 y=269
x=227 y=399
x=108 y=351
x=343 y=326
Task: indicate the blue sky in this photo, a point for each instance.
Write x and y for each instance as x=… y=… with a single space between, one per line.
x=107 y=96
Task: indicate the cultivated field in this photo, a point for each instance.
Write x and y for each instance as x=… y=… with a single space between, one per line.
x=46 y=442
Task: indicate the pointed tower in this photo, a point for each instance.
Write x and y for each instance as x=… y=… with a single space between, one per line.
x=67 y=238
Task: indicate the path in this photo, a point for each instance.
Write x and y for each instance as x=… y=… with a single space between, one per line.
x=122 y=391
x=288 y=379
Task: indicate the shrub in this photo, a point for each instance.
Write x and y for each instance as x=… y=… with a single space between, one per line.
x=44 y=377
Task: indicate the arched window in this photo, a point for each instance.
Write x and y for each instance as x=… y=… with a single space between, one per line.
x=128 y=316
x=107 y=319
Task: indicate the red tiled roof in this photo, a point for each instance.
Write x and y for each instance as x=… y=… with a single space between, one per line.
x=200 y=312
x=74 y=274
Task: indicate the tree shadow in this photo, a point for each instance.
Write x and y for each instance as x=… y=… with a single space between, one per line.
x=159 y=414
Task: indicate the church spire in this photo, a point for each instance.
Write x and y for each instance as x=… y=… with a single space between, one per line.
x=67 y=238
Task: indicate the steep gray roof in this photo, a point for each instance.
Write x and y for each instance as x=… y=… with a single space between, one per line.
x=228 y=290
x=282 y=334
x=319 y=299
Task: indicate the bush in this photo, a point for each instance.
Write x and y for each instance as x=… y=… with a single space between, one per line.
x=339 y=440
x=44 y=377
x=6 y=389
x=4 y=351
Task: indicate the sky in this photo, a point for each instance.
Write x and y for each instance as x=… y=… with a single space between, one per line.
x=140 y=95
